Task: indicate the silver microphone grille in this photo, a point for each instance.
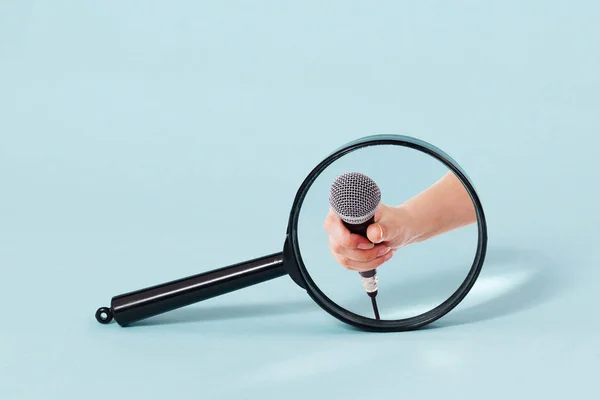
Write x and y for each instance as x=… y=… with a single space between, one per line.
x=354 y=197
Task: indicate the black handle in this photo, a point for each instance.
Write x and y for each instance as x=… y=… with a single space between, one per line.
x=140 y=304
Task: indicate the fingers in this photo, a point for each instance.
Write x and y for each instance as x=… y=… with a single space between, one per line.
x=356 y=254
x=352 y=251
x=362 y=266
x=341 y=235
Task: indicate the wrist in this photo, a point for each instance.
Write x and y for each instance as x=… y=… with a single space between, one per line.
x=409 y=229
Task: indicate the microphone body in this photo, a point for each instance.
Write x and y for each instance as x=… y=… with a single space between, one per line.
x=359 y=229
x=134 y=306
x=369 y=278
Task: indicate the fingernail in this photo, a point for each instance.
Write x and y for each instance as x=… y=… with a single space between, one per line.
x=382 y=251
x=380 y=233
x=365 y=246
x=388 y=256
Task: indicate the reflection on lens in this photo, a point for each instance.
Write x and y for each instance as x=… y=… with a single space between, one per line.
x=396 y=216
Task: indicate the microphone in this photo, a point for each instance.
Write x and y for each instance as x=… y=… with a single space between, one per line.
x=354 y=197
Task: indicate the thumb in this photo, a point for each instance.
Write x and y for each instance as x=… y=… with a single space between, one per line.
x=380 y=230
x=376 y=232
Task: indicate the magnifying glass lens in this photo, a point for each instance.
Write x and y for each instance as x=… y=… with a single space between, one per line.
x=387 y=233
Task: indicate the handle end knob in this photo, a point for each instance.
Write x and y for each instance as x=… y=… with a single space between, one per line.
x=104 y=315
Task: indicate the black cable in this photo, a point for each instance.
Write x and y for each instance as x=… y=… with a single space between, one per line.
x=375 y=309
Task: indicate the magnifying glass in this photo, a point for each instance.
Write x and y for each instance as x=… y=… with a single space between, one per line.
x=411 y=207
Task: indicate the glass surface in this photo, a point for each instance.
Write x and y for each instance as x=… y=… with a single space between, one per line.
x=422 y=202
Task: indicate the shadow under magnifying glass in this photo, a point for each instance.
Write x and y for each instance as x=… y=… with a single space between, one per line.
x=512 y=280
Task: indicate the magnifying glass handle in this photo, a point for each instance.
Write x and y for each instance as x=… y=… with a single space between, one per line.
x=144 y=303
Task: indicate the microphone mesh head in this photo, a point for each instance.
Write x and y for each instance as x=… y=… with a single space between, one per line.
x=354 y=197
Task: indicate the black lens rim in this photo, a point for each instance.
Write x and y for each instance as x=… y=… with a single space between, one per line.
x=371 y=324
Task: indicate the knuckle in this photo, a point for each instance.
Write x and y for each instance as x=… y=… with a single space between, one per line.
x=347 y=241
x=368 y=256
x=375 y=263
x=382 y=260
x=334 y=246
x=378 y=262
x=345 y=261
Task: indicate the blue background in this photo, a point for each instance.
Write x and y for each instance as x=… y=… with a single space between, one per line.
x=128 y=131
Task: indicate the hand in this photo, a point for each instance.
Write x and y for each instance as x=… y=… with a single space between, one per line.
x=440 y=208
x=390 y=231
